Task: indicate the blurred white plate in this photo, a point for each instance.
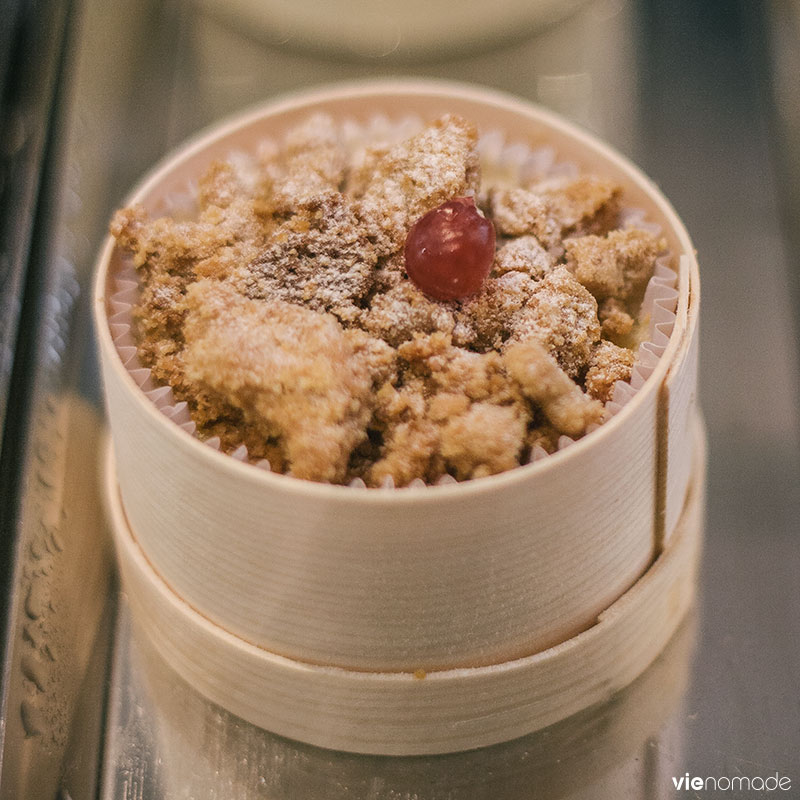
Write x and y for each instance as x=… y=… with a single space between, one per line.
x=373 y=28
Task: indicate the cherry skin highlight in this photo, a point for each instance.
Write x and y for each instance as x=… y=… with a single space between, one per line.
x=450 y=250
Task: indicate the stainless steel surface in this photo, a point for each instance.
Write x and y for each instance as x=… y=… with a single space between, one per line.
x=57 y=637
x=681 y=87
x=58 y=659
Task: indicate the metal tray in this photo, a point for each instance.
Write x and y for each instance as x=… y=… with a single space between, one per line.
x=687 y=93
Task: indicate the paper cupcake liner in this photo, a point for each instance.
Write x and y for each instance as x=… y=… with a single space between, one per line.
x=515 y=159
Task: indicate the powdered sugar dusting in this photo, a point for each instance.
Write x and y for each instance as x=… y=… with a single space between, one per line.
x=308 y=244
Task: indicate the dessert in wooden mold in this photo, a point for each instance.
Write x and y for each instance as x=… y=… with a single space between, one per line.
x=532 y=390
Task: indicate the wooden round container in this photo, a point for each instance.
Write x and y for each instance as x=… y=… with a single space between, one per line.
x=591 y=754
x=429 y=579
x=400 y=713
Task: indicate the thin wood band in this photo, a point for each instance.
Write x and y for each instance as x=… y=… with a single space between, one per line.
x=400 y=713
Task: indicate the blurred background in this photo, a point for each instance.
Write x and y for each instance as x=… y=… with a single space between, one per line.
x=705 y=97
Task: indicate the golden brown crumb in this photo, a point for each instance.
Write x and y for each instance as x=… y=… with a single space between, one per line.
x=562 y=315
x=519 y=212
x=617 y=265
x=553 y=209
x=608 y=365
x=525 y=254
x=310 y=168
x=286 y=368
x=379 y=357
x=484 y=322
x=615 y=321
x=365 y=165
x=447 y=405
x=408 y=453
x=445 y=368
x=544 y=436
x=484 y=440
x=543 y=381
x=396 y=315
x=417 y=175
x=319 y=258
x=410 y=441
x=457 y=411
x=586 y=204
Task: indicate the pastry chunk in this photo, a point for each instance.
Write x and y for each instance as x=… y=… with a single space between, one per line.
x=556 y=208
x=417 y=175
x=485 y=321
x=290 y=371
x=562 y=315
x=586 y=204
x=617 y=265
x=608 y=365
x=311 y=166
x=319 y=258
x=396 y=315
x=456 y=412
x=520 y=212
x=483 y=440
x=524 y=254
x=616 y=323
x=566 y=407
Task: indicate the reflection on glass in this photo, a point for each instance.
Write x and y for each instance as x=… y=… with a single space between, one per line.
x=580 y=62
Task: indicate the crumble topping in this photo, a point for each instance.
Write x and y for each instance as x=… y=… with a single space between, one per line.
x=319 y=257
x=615 y=266
x=282 y=313
x=290 y=371
x=562 y=401
x=607 y=365
x=414 y=177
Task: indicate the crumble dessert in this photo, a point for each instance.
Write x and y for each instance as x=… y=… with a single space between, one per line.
x=283 y=313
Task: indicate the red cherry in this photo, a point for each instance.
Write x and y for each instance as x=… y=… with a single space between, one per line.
x=449 y=251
